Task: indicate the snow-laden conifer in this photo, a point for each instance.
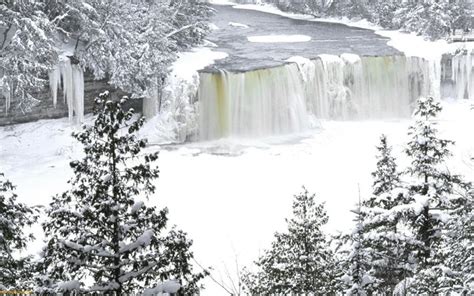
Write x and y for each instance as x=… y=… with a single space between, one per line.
x=100 y=231
x=15 y=269
x=385 y=239
x=300 y=260
x=434 y=191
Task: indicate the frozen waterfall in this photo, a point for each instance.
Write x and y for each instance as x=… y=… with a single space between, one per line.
x=462 y=76
x=72 y=78
x=284 y=99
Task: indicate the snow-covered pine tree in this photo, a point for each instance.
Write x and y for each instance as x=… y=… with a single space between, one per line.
x=460 y=243
x=387 y=246
x=432 y=190
x=299 y=261
x=386 y=176
x=27 y=51
x=100 y=230
x=356 y=259
x=15 y=271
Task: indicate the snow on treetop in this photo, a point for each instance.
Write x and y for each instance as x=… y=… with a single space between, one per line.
x=165 y=287
x=137 y=206
x=142 y=241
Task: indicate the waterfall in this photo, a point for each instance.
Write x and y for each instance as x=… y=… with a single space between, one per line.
x=462 y=75
x=283 y=99
x=252 y=104
x=72 y=78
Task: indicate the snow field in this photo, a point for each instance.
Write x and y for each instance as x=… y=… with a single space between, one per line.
x=231 y=195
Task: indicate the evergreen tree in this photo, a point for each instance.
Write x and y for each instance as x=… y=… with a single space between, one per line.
x=383 y=215
x=460 y=244
x=300 y=260
x=15 y=271
x=386 y=176
x=356 y=259
x=432 y=191
x=99 y=230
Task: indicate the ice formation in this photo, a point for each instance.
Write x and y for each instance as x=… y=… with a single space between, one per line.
x=72 y=78
x=5 y=92
x=289 y=98
x=284 y=99
x=462 y=75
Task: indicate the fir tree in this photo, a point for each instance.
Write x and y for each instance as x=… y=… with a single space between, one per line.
x=386 y=176
x=356 y=259
x=100 y=230
x=383 y=216
x=299 y=261
x=15 y=271
x=459 y=245
x=432 y=191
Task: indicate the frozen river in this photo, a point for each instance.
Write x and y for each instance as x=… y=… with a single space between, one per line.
x=235 y=25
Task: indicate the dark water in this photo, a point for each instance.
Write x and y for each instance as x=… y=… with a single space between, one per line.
x=327 y=38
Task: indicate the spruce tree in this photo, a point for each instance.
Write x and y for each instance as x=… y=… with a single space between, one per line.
x=356 y=258
x=432 y=188
x=100 y=230
x=15 y=270
x=383 y=216
x=300 y=260
x=458 y=248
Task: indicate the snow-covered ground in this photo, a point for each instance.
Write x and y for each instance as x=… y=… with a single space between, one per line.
x=231 y=195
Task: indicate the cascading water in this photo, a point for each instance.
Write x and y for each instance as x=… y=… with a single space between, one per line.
x=72 y=78
x=252 y=104
x=463 y=76
x=283 y=99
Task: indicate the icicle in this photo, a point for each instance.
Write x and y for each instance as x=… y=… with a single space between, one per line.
x=72 y=78
x=5 y=92
x=78 y=97
x=54 y=84
x=68 y=86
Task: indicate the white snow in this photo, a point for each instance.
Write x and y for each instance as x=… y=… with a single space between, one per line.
x=188 y=63
x=213 y=27
x=231 y=195
x=142 y=241
x=165 y=287
x=238 y=25
x=137 y=206
x=279 y=38
x=221 y=2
